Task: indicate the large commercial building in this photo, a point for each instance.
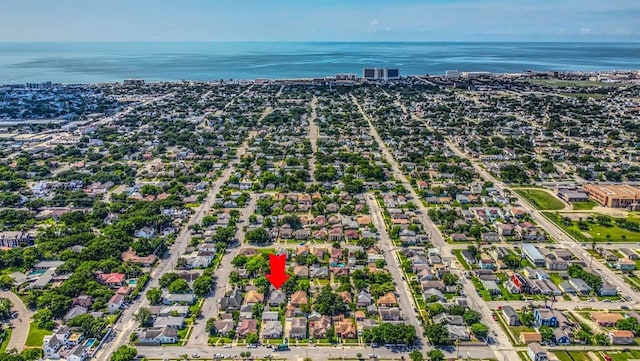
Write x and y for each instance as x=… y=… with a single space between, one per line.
x=381 y=73
x=614 y=196
x=134 y=82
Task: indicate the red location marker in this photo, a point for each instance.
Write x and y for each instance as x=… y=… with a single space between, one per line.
x=278 y=276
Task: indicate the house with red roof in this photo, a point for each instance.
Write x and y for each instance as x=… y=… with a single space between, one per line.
x=113 y=280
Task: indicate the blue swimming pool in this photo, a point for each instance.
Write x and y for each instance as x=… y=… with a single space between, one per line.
x=36 y=273
x=90 y=342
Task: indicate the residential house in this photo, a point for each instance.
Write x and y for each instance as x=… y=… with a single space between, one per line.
x=364 y=299
x=389 y=313
x=115 y=303
x=253 y=297
x=561 y=336
x=276 y=298
x=224 y=327
x=388 y=300
x=78 y=353
x=176 y=322
x=178 y=298
x=529 y=337
x=299 y=298
x=113 y=280
x=345 y=328
x=298 y=328
x=246 y=327
x=459 y=333
x=536 y=352
x=320 y=327
x=271 y=329
x=621 y=337
x=157 y=335
x=511 y=315
x=545 y=317
x=606 y=319
x=232 y=302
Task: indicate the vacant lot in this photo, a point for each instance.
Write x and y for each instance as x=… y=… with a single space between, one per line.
x=35 y=335
x=584 y=206
x=541 y=199
x=594 y=231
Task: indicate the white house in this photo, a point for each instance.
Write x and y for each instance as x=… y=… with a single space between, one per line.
x=115 y=303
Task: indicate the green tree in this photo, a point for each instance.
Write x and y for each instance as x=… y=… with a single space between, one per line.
x=435 y=355
x=44 y=319
x=167 y=278
x=252 y=338
x=179 y=286
x=124 y=353
x=143 y=316
x=437 y=334
x=449 y=279
x=416 y=355
x=203 y=285
x=471 y=317
x=154 y=295
x=546 y=332
x=258 y=236
x=479 y=330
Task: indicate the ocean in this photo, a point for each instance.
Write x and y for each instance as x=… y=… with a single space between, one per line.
x=172 y=61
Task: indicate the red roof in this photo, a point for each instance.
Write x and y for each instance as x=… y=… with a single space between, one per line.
x=111 y=277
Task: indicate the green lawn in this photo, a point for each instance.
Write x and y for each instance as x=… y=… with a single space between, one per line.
x=624 y=356
x=457 y=253
x=575 y=356
x=596 y=232
x=5 y=340
x=584 y=206
x=34 y=339
x=541 y=199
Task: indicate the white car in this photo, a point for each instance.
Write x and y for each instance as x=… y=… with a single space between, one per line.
x=226 y=345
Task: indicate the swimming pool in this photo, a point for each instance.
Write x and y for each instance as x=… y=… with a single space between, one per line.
x=90 y=342
x=36 y=273
x=133 y=282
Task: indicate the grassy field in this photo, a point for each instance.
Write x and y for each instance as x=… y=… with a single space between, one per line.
x=596 y=232
x=34 y=338
x=541 y=199
x=584 y=206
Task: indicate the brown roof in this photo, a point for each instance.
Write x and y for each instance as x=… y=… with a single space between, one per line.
x=388 y=299
x=299 y=298
x=528 y=337
x=606 y=317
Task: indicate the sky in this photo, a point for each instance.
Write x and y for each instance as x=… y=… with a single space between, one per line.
x=319 y=20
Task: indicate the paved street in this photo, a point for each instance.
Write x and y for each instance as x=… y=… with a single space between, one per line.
x=20 y=324
x=445 y=250
x=126 y=325
x=405 y=300
x=298 y=353
x=199 y=335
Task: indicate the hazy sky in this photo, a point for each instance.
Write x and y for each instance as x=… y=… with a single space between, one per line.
x=319 y=20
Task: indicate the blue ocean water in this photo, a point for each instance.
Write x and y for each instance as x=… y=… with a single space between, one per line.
x=108 y=62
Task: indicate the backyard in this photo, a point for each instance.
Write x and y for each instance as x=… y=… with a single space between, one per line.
x=541 y=199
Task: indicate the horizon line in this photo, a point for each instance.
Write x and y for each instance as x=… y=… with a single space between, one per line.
x=318 y=41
